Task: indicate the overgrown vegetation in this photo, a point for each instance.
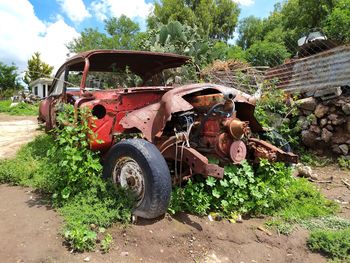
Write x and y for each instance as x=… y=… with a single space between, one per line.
x=266 y=189
x=66 y=169
x=276 y=112
x=344 y=163
x=21 y=109
x=334 y=244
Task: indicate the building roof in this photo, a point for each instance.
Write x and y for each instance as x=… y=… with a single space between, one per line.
x=40 y=81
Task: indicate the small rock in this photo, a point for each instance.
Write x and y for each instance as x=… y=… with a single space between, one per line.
x=308 y=138
x=332 y=117
x=326 y=135
x=87 y=259
x=124 y=253
x=161 y=251
x=315 y=129
x=303 y=170
x=338 y=121
x=332 y=109
x=307 y=104
x=346 y=108
x=329 y=127
x=92 y=226
x=323 y=122
x=191 y=251
x=321 y=110
x=193 y=238
x=239 y=219
x=151 y=231
x=344 y=149
x=124 y=234
x=335 y=148
x=303 y=123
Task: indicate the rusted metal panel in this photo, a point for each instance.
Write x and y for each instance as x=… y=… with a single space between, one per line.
x=323 y=70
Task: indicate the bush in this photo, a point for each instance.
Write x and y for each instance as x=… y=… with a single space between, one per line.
x=334 y=244
x=268 y=189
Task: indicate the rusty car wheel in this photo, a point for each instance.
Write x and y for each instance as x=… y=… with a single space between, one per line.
x=138 y=165
x=127 y=173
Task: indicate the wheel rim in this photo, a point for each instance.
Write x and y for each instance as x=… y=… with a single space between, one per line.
x=128 y=174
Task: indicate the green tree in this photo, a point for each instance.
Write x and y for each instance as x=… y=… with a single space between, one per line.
x=264 y=53
x=215 y=19
x=8 y=77
x=337 y=24
x=36 y=69
x=223 y=51
x=122 y=33
x=89 y=39
x=250 y=30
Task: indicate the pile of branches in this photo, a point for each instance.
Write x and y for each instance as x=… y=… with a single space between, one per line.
x=235 y=74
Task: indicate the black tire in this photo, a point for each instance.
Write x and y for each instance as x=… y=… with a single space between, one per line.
x=154 y=199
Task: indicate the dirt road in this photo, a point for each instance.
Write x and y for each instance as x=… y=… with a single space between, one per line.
x=29 y=229
x=14 y=132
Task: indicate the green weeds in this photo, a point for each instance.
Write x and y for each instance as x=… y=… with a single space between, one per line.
x=21 y=109
x=268 y=189
x=344 y=163
x=334 y=244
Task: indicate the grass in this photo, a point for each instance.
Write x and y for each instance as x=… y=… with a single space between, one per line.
x=21 y=109
x=333 y=244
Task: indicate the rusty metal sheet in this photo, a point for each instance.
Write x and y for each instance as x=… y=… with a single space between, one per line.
x=327 y=69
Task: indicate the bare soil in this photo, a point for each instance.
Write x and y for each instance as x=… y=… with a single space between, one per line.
x=14 y=132
x=29 y=229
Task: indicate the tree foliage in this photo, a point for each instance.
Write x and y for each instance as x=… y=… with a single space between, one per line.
x=216 y=19
x=37 y=69
x=250 y=30
x=264 y=53
x=337 y=24
x=8 y=77
x=122 y=33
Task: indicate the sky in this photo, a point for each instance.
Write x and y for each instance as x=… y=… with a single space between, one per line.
x=47 y=26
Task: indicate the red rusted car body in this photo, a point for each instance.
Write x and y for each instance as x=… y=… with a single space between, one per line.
x=188 y=124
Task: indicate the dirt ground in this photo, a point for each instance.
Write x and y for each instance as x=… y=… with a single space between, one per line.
x=15 y=131
x=29 y=229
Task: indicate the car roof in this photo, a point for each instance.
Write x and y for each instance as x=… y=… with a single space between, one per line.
x=142 y=63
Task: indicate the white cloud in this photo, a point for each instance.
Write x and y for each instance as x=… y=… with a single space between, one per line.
x=75 y=9
x=131 y=8
x=22 y=34
x=244 y=2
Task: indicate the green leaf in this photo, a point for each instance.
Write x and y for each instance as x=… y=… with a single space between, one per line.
x=210 y=181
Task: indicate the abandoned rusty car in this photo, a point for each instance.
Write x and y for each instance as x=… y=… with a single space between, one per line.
x=178 y=127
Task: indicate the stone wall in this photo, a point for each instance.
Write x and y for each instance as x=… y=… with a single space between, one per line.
x=326 y=125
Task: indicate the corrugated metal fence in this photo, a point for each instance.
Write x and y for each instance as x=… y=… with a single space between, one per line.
x=330 y=68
